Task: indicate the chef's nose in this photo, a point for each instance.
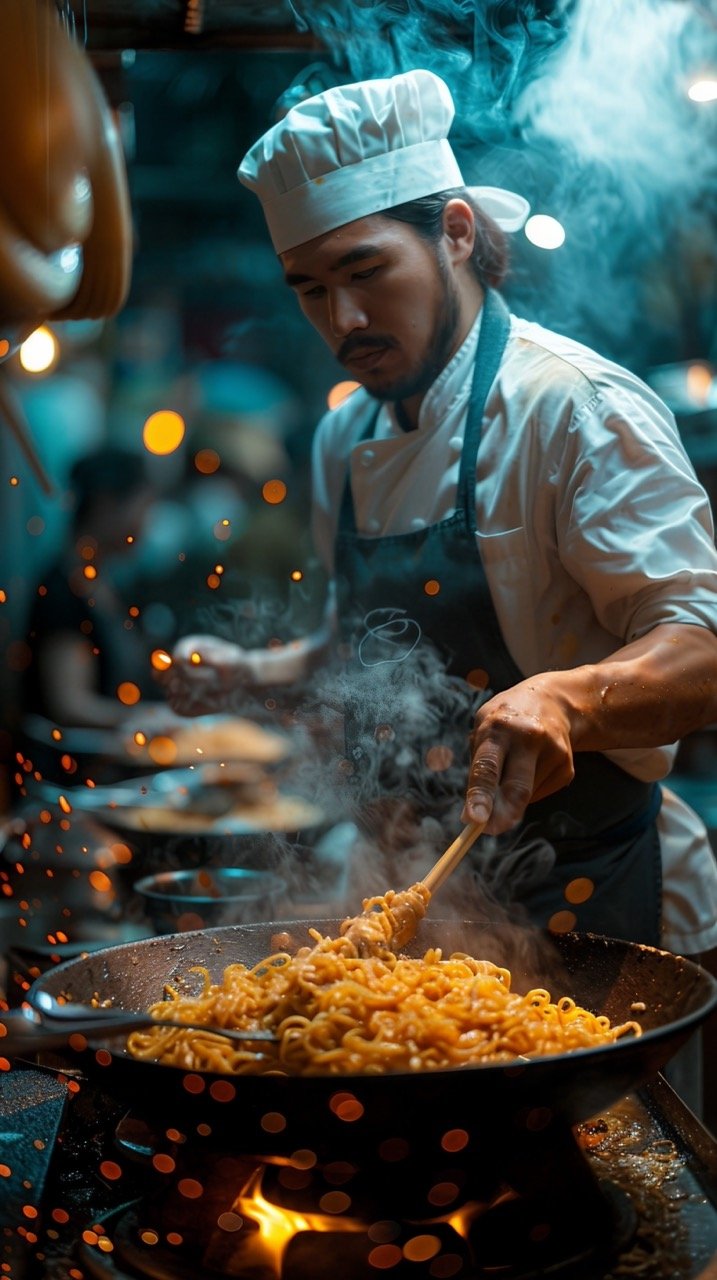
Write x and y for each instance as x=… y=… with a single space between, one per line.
x=345 y=314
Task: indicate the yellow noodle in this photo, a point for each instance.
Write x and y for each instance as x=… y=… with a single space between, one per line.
x=351 y=1005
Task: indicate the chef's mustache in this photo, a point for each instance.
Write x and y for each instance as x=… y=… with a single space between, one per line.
x=362 y=342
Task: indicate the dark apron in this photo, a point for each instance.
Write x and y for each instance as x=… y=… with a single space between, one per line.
x=418 y=624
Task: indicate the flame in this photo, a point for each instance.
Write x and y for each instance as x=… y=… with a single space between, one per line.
x=277 y=1226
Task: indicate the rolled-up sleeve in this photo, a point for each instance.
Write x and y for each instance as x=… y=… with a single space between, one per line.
x=635 y=525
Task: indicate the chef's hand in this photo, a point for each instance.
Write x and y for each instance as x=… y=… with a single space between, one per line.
x=204 y=670
x=521 y=751
x=653 y=691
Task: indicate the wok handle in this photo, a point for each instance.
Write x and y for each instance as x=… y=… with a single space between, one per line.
x=448 y=862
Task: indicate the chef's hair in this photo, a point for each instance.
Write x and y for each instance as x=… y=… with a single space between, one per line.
x=490 y=257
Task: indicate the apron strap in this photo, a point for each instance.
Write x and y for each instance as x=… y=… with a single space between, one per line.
x=494 y=333
x=492 y=339
x=347 y=514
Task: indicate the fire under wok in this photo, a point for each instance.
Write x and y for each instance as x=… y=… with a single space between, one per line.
x=349 y=1116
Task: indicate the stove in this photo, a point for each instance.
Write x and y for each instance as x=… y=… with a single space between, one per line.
x=632 y=1193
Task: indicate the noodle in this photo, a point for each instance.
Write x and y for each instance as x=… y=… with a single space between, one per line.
x=351 y=1005
x=388 y=921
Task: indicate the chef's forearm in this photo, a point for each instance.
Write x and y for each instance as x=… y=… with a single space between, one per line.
x=651 y=692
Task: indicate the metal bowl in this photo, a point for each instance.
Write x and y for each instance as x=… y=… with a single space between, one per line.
x=179 y=901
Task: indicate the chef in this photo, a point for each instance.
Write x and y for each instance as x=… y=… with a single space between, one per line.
x=500 y=494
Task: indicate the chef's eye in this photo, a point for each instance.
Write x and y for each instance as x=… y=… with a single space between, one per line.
x=316 y=291
x=364 y=275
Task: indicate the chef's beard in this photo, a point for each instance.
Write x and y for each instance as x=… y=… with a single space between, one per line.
x=440 y=347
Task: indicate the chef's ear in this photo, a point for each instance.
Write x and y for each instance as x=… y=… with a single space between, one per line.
x=459 y=230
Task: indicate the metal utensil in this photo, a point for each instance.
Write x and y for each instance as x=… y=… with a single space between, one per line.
x=50 y=1024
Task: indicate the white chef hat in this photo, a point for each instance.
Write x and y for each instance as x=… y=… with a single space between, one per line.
x=358 y=149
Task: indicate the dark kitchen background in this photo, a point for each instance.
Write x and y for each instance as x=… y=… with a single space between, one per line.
x=603 y=113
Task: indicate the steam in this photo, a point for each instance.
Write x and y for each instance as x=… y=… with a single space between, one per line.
x=484 y=51
x=635 y=167
x=381 y=744
x=580 y=105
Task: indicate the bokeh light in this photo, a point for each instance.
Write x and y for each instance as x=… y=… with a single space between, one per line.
x=703 y=90
x=699 y=380
x=562 y=921
x=207 y=461
x=162 y=750
x=128 y=693
x=340 y=392
x=274 y=491
x=544 y=231
x=579 y=890
x=163 y=431
x=39 y=352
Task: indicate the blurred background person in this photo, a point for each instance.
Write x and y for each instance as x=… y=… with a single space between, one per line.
x=84 y=641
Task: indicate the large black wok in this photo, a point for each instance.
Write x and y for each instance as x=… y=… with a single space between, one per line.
x=273 y=1114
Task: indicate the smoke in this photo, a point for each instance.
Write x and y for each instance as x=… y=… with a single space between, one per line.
x=381 y=744
x=634 y=170
x=485 y=51
x=580 y=105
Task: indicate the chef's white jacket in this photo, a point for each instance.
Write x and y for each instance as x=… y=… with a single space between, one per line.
x=592 y=529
